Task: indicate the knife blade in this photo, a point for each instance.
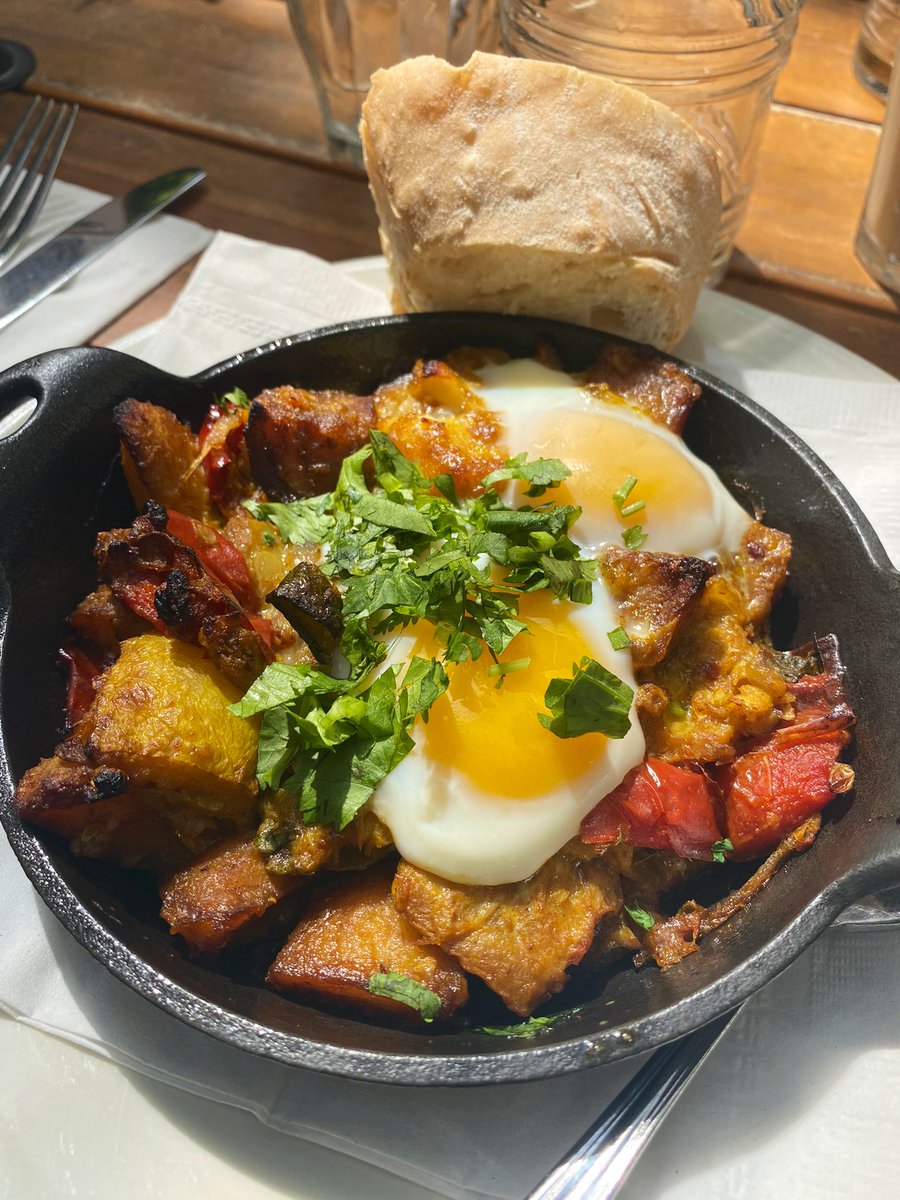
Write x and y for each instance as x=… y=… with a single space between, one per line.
x=57 y=261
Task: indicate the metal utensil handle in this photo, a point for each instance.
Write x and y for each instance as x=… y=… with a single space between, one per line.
x=597 y=1166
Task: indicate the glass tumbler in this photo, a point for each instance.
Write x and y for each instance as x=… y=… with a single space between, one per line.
x=344 y=41
x=876 y=46
x=714 y=61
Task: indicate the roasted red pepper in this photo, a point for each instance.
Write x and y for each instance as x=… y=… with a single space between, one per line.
x=83 y=670
x=661 y=807
x=221 y=438
x=794 y=773
x=217 y=555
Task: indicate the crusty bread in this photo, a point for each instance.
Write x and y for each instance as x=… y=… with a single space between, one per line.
x=520 y=186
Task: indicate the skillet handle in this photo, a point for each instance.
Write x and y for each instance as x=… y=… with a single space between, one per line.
x=73 y=390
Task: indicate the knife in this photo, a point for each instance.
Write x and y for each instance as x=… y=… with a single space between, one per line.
x=57 y=261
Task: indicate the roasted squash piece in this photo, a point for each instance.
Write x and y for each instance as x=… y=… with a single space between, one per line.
x=161 y=460
x=157 y=770
x=350 y=934
x=160 y=717
x=224 y=896
x=435 y=418
x=297 y=440
x=655 y=594
x=645 y=382
x=520 y=938
x=721 y=687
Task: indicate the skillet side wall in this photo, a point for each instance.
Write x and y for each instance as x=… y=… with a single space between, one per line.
x=53 y=501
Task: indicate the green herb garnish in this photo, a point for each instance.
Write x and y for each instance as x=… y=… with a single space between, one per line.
x=634 y=537
x=619 y=639
x=530 y=1028
x=541 y=473
x=640 y=916
x=624 y=491
x=236 y=398
x=408 y=991
x=720 y=849
x=592 y=701
x=400 y=552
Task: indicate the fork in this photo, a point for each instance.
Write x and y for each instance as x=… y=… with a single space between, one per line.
x=29 y=160
x=601 y=1160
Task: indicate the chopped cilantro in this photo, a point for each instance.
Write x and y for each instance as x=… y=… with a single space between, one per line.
x=619 y=639
x=720 y=849
x=675 y=711
x=630 y=509
x=640 y=916
x=541 y=473
x=634 y=537
x=526 y=1029
x=592 y=701
x=269 y=539
x=404 y=550
x=236 y=398
x=408 y=991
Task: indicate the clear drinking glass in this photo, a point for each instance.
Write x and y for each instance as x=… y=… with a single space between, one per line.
x=713 y=61
x=876 y=46
x=878 y=237
x=344 y=41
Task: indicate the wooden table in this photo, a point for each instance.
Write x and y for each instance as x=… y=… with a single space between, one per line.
x=221 y=83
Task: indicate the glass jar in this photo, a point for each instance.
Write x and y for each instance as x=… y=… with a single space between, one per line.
x=714 y=61
x=344 y=41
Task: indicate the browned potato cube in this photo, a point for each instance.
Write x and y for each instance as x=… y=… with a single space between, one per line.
x=354 y=932
x=161 y=460
x=518 y=937
x=223 y=896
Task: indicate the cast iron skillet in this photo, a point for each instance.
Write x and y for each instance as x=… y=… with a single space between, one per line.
x=59 y=485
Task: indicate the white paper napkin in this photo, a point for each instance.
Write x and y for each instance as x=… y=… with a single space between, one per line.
x=105 y=289
x=780 y=1077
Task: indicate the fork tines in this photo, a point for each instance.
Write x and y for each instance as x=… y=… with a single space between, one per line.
x=28 y=163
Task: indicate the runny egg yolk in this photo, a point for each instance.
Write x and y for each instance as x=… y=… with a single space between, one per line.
x=602 y=452
x=490 y=735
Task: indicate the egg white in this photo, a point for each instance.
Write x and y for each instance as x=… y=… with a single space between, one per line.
x=439 y=820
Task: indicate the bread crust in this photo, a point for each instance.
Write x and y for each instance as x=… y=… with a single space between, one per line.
x=532 y=187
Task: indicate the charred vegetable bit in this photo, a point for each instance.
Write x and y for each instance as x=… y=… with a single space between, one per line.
x=312 y=605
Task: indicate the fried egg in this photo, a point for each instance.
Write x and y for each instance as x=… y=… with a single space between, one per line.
x=488 y=794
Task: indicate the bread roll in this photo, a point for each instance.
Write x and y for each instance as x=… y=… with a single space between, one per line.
x=510 y=185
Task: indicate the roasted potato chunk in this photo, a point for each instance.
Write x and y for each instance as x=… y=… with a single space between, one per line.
x=760 y=569
x=102 y=816
x=297 y=440
x=223 y=897
x=350 y=934
x=161 y=460
x=292 y=848
x=646 y=383
x=521 y=937
x=103 y=619
x=655 y=594
x=721 y=686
